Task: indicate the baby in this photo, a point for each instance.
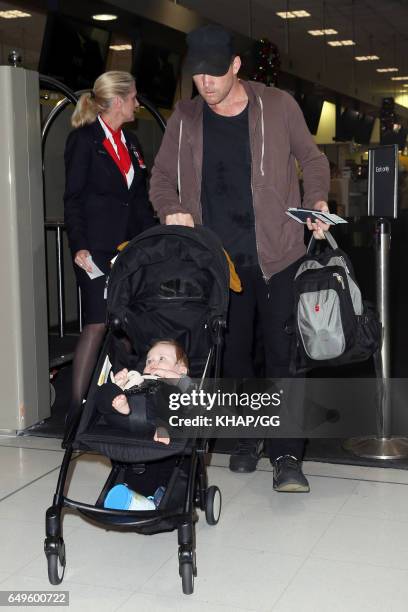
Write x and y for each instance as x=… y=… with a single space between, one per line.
x=165 y=359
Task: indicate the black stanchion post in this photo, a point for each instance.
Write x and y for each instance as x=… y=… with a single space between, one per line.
x=382 y=204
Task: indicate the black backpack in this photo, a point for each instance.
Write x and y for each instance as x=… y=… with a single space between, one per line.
x=331 y=323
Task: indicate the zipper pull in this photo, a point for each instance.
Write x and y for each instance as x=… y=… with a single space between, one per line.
x=339 y=279
x=344 y=264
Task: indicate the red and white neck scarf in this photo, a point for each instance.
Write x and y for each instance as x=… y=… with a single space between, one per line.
x=115 y=144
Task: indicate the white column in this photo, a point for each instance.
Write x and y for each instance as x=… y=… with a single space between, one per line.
x=24 y=374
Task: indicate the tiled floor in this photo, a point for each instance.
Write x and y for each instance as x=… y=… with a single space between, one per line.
x=343 y=547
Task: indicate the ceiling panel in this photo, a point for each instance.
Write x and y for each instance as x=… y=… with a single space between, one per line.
x=378 y=28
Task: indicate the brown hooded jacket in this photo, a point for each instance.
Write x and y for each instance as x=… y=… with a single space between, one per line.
x=278 y=136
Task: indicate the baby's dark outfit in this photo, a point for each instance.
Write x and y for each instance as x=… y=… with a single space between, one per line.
x=141 y=419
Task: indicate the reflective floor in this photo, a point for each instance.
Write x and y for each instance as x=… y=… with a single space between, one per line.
x=343 y=547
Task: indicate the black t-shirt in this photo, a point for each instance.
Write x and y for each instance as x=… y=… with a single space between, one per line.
x=226 y=194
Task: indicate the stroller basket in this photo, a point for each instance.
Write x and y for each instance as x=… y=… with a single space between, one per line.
x=172 y=472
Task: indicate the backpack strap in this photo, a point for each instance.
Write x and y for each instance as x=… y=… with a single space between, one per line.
x=312 y=242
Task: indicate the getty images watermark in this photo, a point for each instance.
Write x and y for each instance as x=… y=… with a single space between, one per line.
x=282 y=408
x=221 y=400
x=206 y=400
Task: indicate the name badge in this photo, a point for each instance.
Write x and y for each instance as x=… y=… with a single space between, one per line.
x=139 y=158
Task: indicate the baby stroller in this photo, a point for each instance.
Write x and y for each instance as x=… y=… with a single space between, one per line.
x=169 y=282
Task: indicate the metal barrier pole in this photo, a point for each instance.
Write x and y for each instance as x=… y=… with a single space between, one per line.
x=58 y=227
x=384 y=446
x=383 y=249
x=60 y=281
x=79 y=302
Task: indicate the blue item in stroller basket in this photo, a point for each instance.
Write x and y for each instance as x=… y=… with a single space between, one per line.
x=120 y=497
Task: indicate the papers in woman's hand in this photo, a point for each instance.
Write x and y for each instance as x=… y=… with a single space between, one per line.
x=301 y=214
x=96 y=272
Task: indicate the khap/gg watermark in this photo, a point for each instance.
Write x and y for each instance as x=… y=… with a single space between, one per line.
x=224 y=420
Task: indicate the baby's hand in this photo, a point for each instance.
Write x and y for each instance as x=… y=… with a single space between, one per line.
x=162 y=373
x=121 y=377
x=161 y=435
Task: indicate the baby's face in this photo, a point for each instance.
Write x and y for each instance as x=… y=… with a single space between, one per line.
x=162 y=356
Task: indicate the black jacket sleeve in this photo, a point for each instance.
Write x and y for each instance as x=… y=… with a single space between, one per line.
x=77 y=164
x=142 y=215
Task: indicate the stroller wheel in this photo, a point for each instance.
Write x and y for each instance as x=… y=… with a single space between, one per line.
x=55 y=552
x=187 y=577
x=213 y=505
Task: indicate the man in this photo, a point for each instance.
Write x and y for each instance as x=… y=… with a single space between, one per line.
x=227 y=160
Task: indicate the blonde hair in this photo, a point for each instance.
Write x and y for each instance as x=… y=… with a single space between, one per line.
x=106 y=87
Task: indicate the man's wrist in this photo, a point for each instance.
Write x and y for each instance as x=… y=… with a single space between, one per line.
x=321 y=205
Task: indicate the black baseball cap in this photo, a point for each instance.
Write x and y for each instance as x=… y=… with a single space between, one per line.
x=210 y=51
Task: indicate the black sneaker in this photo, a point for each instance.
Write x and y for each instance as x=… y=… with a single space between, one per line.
x=288 y=476
x=246 y=455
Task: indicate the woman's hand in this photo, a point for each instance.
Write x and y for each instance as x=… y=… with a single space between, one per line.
x=319 y=227
x=82 y=261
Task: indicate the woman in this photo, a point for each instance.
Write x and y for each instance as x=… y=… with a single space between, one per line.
x=105 y=202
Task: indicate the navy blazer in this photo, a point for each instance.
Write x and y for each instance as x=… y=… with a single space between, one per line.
x=100 y=210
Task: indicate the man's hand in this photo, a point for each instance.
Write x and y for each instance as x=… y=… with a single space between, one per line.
x=317 y=226
x=81 y=260
x=180 y=219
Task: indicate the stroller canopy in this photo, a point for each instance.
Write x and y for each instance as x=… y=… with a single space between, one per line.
x=169 y=282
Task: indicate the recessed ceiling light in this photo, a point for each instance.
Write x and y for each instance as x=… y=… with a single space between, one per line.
x=387 y=69
x=340 y=43
x=13 y=14
x=366 y=58
x=327 y=32
x=120 y=47
x=292 y=14
x=104 y=17
x=399 y=78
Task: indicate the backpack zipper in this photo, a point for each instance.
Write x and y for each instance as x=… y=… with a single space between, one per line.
x=344 y=264
x=339 y=279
